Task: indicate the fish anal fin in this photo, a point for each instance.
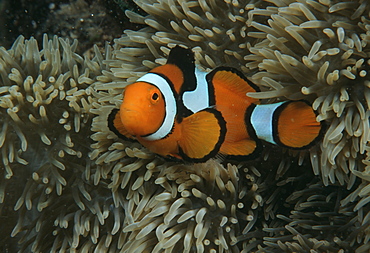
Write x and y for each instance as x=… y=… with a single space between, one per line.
x=243 y=147
x=296 y=125
x=202 y=135
x=116 y=126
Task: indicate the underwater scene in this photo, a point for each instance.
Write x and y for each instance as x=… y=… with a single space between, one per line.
x=185 y=126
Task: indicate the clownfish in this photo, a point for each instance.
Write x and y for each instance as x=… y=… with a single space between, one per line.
x=181 y=112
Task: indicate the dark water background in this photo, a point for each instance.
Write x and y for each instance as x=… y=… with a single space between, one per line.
x=88 y=21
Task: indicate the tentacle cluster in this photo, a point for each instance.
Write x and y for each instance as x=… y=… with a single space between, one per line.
x=319 y=51
x=86 y=190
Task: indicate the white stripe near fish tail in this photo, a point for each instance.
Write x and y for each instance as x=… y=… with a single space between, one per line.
x=262 y=120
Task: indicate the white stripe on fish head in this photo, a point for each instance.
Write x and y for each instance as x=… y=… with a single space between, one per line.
x=170 y=105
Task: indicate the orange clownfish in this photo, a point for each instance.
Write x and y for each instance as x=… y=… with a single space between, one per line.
x=179 y=111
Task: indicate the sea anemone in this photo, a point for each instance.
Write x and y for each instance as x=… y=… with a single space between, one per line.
x=91 y=191
x=246 y=40
x=316 y=221
x=203 y=207
x=319 y=51
x=45 y=123
x=192 y=24
x=173 y=206
x=216 y=32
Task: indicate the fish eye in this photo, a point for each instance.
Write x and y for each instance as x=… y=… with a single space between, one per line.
x=155 y=96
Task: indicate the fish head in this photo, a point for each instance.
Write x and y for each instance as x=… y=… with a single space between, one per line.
x=143 y=109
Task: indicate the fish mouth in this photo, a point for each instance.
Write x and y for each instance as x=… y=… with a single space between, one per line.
x=131 y=119
x=129 y=114
x=127 y=110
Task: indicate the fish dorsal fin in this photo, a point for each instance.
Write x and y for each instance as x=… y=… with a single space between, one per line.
x=296 y=125
x=202 y=135
x=116 y=126
x=182 y=57
x=233 y=80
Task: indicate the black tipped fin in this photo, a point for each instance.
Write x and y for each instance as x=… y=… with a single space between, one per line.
x=182 y=57
x=202 y=135
x=116 y=126
x=296 y=126
x=233 y=79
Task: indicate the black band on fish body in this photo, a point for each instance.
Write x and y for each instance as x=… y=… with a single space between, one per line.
x=275 y=117
x=183 y=58
x=248 y=124
x=211 y=89
x=252 y=135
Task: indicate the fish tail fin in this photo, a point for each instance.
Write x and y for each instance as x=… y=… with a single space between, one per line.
x=289 y=124
x=297 y=126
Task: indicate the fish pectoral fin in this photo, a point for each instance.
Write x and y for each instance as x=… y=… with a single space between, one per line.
x=116 y=126
x=244 y=147
x=202 y=135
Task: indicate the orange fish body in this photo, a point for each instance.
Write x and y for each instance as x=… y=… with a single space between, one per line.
x=179 y=111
